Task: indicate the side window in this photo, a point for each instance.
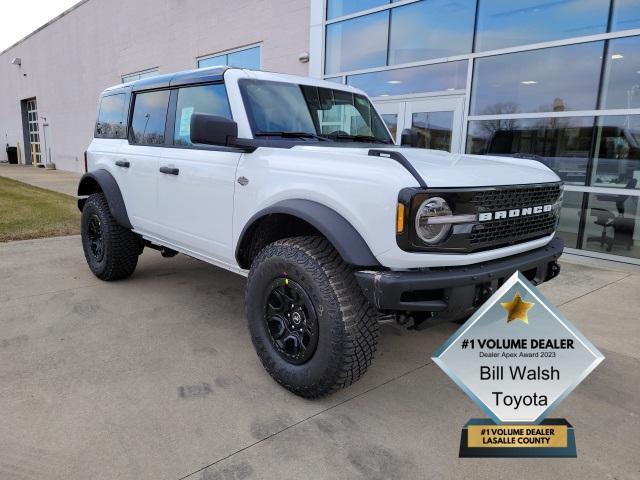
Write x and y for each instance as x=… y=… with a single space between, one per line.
x=112 y=121
x=149 y=117
x=210 y=99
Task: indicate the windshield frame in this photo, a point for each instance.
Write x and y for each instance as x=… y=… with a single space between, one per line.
x=256 y=133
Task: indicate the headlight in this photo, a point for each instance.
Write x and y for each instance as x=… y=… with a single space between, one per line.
x=428 y=228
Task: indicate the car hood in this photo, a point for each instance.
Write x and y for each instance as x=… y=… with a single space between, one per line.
x=443 y=169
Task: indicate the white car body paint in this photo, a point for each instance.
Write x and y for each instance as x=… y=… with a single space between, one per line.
x=203 y=212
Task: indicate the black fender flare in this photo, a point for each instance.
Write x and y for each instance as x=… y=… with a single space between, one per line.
x=336 y=229
x=97 y=180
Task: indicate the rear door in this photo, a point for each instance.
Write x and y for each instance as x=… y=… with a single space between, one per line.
x=137 y=165
x=196 y=182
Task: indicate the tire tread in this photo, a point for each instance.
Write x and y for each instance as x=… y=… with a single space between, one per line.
x=122 y=246
x=353 y=347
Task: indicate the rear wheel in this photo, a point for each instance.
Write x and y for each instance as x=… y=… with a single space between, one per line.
x=111 y=250
x=312 y=327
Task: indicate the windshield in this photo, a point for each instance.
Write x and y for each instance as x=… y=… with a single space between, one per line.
x=288 y=110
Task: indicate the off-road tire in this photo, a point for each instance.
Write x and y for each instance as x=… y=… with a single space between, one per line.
x=347 y=324
x=121 y=247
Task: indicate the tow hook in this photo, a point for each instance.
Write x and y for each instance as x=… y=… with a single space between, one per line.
x=413 y=320
x=485 y=291
x=553 y=271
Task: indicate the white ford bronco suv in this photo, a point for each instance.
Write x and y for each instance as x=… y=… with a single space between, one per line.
x=297 y=184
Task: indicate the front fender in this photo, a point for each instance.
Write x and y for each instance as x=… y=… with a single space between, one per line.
x=335 y=228
x=102 y=181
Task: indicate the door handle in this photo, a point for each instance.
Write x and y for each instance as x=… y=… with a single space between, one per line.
x=170 y=171
x=123 y=164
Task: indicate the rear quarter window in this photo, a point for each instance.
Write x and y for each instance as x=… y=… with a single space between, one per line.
x=112 y=117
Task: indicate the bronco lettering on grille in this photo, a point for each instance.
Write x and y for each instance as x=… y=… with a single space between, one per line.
x=513 y=213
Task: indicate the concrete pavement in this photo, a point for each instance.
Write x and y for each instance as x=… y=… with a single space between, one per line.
x=57 y=180
x=156 y=377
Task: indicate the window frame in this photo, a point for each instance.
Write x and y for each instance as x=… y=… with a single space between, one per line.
x=169 y=128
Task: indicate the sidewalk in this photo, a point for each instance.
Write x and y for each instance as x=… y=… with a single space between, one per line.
x=56 y=180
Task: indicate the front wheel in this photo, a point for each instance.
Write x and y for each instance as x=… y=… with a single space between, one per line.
x=312 y=327
x=111 y=250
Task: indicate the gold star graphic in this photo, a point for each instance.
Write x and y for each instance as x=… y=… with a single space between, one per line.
x=517 y=309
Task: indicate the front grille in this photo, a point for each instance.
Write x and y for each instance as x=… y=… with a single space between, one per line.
x=512 y=230
x=523 y=226
x=512 y=197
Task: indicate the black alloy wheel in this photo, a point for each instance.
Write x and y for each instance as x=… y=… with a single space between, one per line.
x=95 y=238
x=311 y=325
x=110 y=249
x=290 y=320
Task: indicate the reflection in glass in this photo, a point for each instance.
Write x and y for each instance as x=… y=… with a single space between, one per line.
x=391 y=120
x=276 y=107
x=218 y=60
x=112 y=117
x=612 y=224
x=617 y=162
x=626 y=15
x=149 y=117
x=563 y=144
x=434 y=129
x=357 y=44
x=338 y=8
x=247 y=58
x=621 y=86
x=505 y=23
x=569 y=223
x=210 y=99
x=432 y=29
x=538 y=81
x=428 y=78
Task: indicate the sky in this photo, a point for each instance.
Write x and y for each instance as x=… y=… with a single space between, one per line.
x=18 y=18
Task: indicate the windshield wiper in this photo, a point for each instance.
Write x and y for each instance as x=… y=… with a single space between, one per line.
x=291 y=135
x=359 y=138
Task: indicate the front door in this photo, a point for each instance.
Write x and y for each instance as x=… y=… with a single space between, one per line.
x=437 y=121
x=196 y=183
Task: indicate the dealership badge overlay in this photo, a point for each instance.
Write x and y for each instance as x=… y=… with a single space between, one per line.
x=517 y=357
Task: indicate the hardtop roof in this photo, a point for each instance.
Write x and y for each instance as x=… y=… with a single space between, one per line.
x=176 y=79
x=216 y=74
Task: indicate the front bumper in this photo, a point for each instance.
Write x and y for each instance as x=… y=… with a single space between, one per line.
x=456 y=292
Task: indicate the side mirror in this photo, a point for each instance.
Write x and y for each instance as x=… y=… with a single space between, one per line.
x=213 y=130
x=409 y=137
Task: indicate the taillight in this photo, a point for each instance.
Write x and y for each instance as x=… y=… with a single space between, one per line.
x=86 y=168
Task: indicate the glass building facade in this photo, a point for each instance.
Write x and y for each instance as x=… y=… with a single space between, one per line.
x=556 y=81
